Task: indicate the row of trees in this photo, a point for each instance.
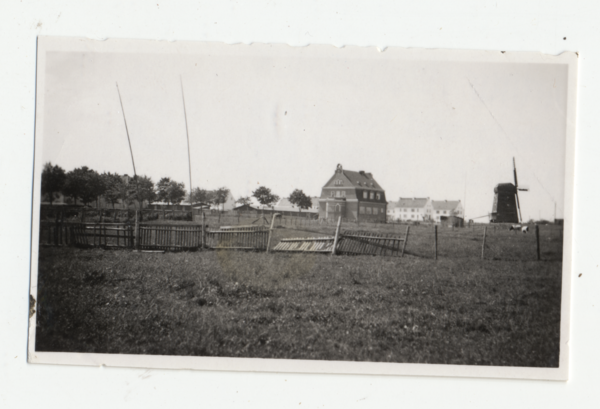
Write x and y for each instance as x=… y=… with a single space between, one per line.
x=87 y=185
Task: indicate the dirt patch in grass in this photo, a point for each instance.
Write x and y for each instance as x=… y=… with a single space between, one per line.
x=361 y=308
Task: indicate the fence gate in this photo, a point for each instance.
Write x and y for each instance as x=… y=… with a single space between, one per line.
x=238 y=239
x=170 y=237
x=102 y=235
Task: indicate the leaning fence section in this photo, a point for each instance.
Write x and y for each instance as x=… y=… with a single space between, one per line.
x=370 y=243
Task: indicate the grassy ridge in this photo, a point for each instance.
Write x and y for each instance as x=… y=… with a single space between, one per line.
x=454 y=311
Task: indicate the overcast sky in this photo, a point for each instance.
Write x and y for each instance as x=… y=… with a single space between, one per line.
x=423 y=128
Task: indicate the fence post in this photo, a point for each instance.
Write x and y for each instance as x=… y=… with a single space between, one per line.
x=537 y=239
x=271 y=231
x=56 y=229
x=435 y=229
x=483 y=244
x=62 y=236
x=203 y=239
x=337 y=234
x=136 y=234
x=405 y=240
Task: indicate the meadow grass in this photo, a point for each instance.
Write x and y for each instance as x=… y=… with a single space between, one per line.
x=456 y=310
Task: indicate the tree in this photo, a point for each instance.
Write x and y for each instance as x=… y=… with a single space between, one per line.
x=264 y=196
x=169 y=191
x=53 y=180
x=125 y=191
x=114 y=188
x=242 y=201
x=220 y=196
x=141 y=189
x=201 y=195
x=300 y=199
x=83 y=183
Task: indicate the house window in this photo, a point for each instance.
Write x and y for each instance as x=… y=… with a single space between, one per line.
x=337 y=193
x=445 y=212
x=365 y=195
x=338 y=208
x=372 y=195
x=369 y=210
x=374 y=210
x=361 y=210
x=412 y=210
x=343 y=193
x=412 y=216
x=332 y=193
x=378 y=196
x=437 y=212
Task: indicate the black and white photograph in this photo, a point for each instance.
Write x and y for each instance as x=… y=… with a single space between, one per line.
x=262 y=207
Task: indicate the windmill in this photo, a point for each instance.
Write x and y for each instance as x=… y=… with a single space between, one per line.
x=506 y=207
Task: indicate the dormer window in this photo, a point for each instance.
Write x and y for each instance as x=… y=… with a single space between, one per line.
x=372 y=195
x=365 y=195
x=378 y=196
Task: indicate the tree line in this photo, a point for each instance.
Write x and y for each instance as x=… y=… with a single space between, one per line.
x=88 y=186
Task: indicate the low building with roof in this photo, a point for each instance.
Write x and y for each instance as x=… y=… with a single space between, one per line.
x=284 y=205
x=353 y=196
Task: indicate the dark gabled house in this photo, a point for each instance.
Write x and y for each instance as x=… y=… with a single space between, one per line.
x=353 y=196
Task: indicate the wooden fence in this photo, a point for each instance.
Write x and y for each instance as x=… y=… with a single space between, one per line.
x=153 y=237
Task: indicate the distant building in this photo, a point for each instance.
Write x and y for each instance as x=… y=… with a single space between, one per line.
x=228 y=205
x=353 y=196
x=413 y=209
x=442 y=209
x=284 y=205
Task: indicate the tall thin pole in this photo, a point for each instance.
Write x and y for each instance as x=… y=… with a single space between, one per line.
x=465 y=198
x=137 y=189
x=188 y=139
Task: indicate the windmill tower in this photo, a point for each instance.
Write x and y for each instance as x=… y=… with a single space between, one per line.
x=506 y=207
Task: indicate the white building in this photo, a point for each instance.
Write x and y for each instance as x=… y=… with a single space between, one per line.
x=409 y=209
x=416 y=209
x=440 y=209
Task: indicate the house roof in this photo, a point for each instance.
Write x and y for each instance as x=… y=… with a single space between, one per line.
x=362 y=179
x=445 y=204
x=248 y=206
x=412 y=202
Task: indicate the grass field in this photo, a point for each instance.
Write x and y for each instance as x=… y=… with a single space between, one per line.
x=504 y=310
